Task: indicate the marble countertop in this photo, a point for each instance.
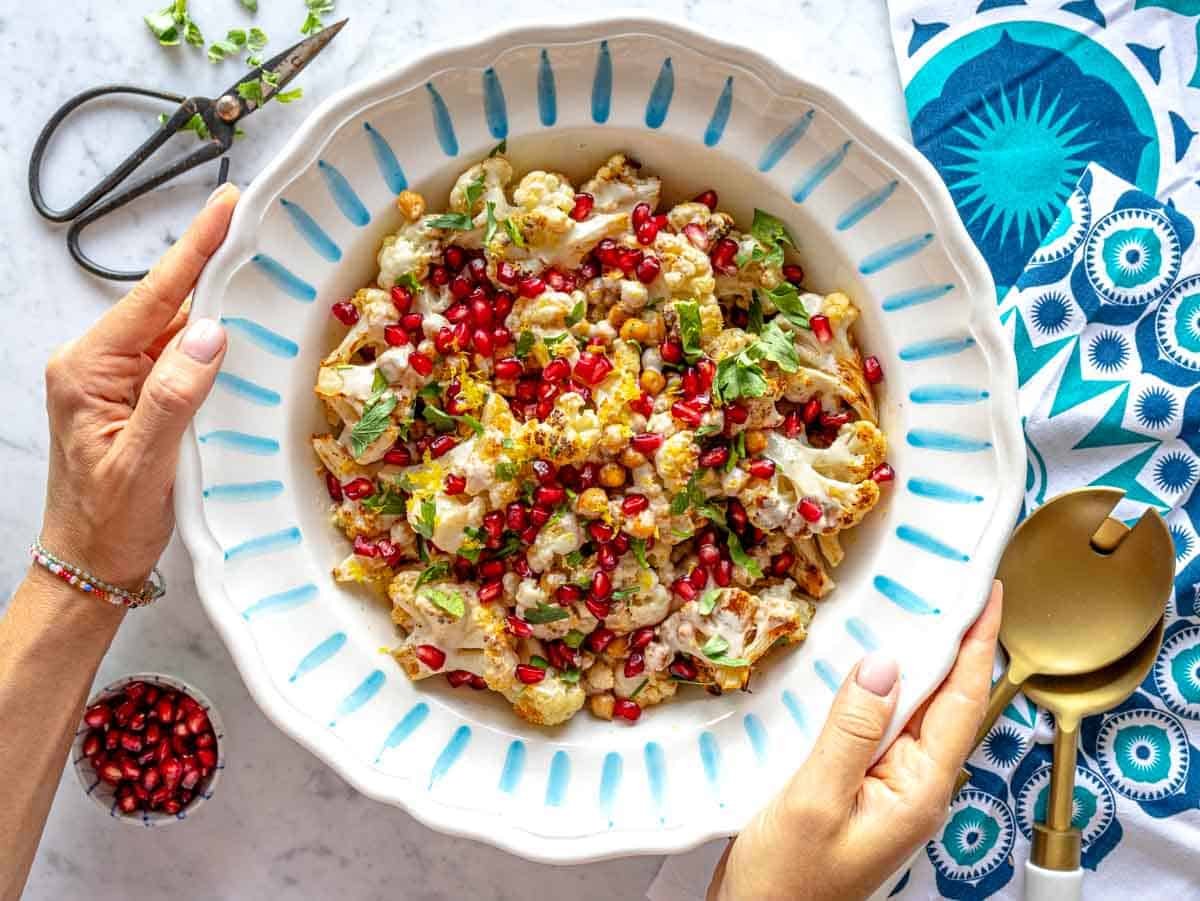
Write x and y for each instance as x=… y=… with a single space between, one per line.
x=282 y=823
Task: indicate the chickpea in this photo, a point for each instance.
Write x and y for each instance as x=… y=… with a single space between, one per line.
x=612 y=475
x=652 y=382
x=617 y=318
x=411 y=204
x=641 y=526
x=636 y=330
x=592 y=503
x=756 y=441
x=630 y=458
x=602 y=706
x=617 y=648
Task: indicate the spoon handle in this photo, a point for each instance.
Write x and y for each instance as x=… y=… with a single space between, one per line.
x=1003 y=691
x=1062 y=776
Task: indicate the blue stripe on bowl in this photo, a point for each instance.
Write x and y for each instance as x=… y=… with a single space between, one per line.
x=450 y=753
x=828 y=674
x=946 y=394
x=282 y=601
x=858 y=211
x=547 y=95
x=242 y=441
x=243 y=492
x=343 y=194
x=783 y=142
x=710 y=758
x=385 y=158
x=940 y=491
x=442 y=123
x=919 y=538
x=247 y=389
x=602 y=85
x=318 y=655
x=821 y=170
x=757 y=733
x=514 y=767
x=659 y=103
x=264 y=544
x=308 y=229
x=363 y=692
x=862 y=633
x=560 y=775
x=656 y=772
x=796 y=709
x=902 y=597
x=935 y=347
x=720 y=115
x=894 y=253
x=610 y=782
x=913 y=297
x=951 y=442
x=284 y=279
x=495 y=110
x=412 y=721
x=261 y=336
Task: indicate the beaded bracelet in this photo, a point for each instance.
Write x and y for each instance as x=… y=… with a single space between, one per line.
x=154 y=588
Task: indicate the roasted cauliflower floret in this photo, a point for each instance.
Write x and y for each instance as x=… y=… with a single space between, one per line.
x=686 y=270
x=806 y=473
x=495 y=173
x=549 y=702
x=407 y=252
x=618 y=186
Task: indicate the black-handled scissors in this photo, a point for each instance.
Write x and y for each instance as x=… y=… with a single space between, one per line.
x=220 y=117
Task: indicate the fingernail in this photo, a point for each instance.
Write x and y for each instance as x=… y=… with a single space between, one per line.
x=202 y=340
x=221 y=189
x=877 y=673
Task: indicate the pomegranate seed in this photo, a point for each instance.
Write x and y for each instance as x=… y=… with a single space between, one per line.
x=442 y=444
x=641 y=214
x=715 y=456
x=460 y=287
x=481 y=340
x=601 y=585
x=433 y=657
x=455 y=258
x=530 y=675
x=722 y=256
x=671 y=351
x=501 y=337
x=519 y=627
x=131 y=742
x=698 y=577
x=834 y=420
x=189 y=780
x=171 y=770
x=736 y=514
x=458 y=678
x=98 y=716
x=782 y=563
x=559 y=281
x=682 y=669
x=138 y=721
x=642 y=637
x=634 y=665
x=793 y=273
x=491 y=569
x=549 y=495
x=883 y=473
x=540 y=515
x=92 y=744
x=873 y=370
x=160 y=796
x=601 y=639
x=607 y=252
x=811 y=411
x=646 y=443
x=646 y=233
x=810 y=510
x=583 y=206
x=344 y=312
x=568 y=594
x=420 y=363
x=110 y=772
x=543 y=471
x=359 y=488
x=633 y=504
x=708 y=554
x=587 y=270
x=643 y=404
x=531 y=286
x=477 y=270
x=598 y=608
x=135 y=690
x=493 y=523
x=455 y=484
x=490 y=591
x=205 y=740
x=516 y=516
x=401 y=299
x=462 y=335
x=443 y=341
x=556 y=370
x=439 y=275
x=649 y=268
x=695 y=233
x=708 y=198
x=478 y=683
x=481 y=310
x=398 y=456
x=509 y=368
x=165 y=710
x=762 y=468
x=600 y=531
x=684 y=589
x=112 y=738
x=820 y=328
x=592 y=368
x=163 y=751
x=792 y=425
x=412 y=322
x=506 y=273
x=124 y=712
x=458 y=312
x=686 y=411
x=690 y=384
x=172 y=806
x=626 y=709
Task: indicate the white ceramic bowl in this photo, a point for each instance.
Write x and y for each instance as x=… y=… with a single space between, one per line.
x=104 y=795
x=871 y=217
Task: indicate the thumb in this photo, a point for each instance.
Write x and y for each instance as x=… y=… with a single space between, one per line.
x=172 y=393
x=851 y=735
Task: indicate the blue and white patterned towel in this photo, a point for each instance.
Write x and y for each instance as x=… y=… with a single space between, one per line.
x=1056 y=126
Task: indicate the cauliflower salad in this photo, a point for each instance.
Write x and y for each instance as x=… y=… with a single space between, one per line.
x=591 y=450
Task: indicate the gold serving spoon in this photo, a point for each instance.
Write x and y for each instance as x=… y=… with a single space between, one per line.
x=1081 y=590
x=1053 y=870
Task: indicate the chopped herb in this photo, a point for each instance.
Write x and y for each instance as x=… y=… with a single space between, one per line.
x=574 y=639
x=376 y=418
x=770 y=230
x=475 y=425
x=740 y=558
x=755 y=323
x=434 y=572
x=688 y=312
x=437 y=417
x=525 y=343
x=500 y=148
x=712 y=513
x=716 y=648
x=575 y=558
x=682 y=533
x=505 y=471
x=545 y=613
x=251 y=5
x=639 y=551
x=289 y=96
x=194 y=124
x=637 y=690
x=452 y=221
x=231 y=45
x=475 y=533
x=571 y=675
x=622 y=594
x=387 y=502
x=173 y=24
x=251 y=91
x=427 y=519
x=379 y=384
x=711 y=429
x=421 y=551
x=489 y=230
x=552 y=341
x=514 y=233
x=577 y=313
x=508 y=444
x=739 y=376
x=737 y=451
x=470 y=551
x=474 y=192
x=691 y=495
x=316 y=8
x=776 y=345
x=409 y=281
x=256 y=38
x=708 y=601
x=539 y=662
x=511 y=545
x=450 y=601
x=787 y=300
x=431 y=392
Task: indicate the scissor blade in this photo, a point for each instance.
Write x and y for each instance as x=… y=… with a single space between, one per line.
x=252 y=90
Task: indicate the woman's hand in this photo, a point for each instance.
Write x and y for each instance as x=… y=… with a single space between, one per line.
x=119 y=399
x=841 y=826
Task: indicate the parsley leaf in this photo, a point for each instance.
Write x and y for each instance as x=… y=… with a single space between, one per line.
x=577 y=313
x=688 y=312
x=575 y=558
x=194 y=124
x=739 y=376
x=514 y=233
x=316 y=8
x=450 y=601
x=708 y=601
x=256 y=38
x=434 y=572
x=427 y=519
x=539 y=661
x=173 y=24
x=776 y=345
x=505 y=471
x=755 y=324
x=437 y=418
x=716 y=648
x=388 y=502
x=574 y=639
x=474 y=192
x=737 y=451
x=552 y=341
x=451 y=221
x=740 y=558
x=511 y=545
x=545 y=613
x=470 y=551
x=251 y=5
x=489 y=230
x=500 y=148
x=251 y=91
x=691 y=494
x=289 y=96
x=374 y=422
x=711 y=429
x=639 y=551
x=231 y=45
x=787 y=300
x=408 y=280
x=525 y=343
x=769 y=230
x=570 y=675
x=379 y=384
x=622 y=593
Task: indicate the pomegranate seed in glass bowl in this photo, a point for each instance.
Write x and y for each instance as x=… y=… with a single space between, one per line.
x=145 y=787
